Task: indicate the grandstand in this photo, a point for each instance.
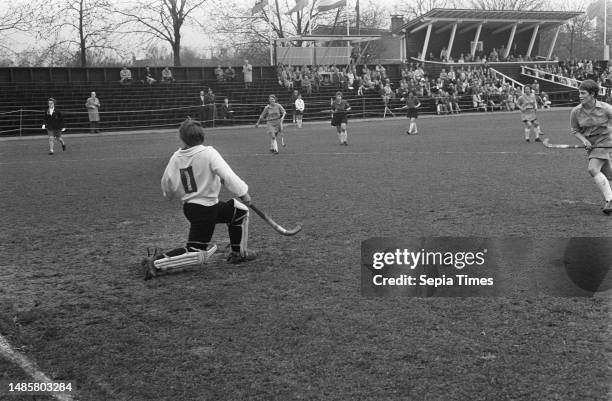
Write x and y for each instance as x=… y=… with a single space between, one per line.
x=23 y=91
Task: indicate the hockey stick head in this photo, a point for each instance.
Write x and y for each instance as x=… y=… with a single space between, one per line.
x=277 y=227
x=547 y=143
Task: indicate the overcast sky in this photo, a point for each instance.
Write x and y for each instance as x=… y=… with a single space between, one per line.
x=199 y=41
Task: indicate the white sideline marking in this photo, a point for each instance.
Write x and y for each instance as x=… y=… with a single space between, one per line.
x=29 y=367
x=59 y=159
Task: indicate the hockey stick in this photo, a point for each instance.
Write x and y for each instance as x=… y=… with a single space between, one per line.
x=547 y=143
x=274 y=224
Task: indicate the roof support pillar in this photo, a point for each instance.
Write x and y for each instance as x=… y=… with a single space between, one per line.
x=510 y=40
x=426 y=43
x=533 y=37
x=552 y=45
x=476 y=39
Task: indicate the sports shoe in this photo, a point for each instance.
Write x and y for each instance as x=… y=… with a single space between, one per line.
x=63 y=147
x=235 y=257
x=345 y=143
x=147 y=264
x=50 y=153
x=407 y=132
x=538 y=139
x=527 y=140
x=607 y=209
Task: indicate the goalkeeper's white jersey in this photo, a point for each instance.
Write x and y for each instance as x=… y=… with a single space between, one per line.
x=196 y=174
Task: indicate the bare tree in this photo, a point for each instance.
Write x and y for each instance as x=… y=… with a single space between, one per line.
x=161 y=20
x=518 y=5
x=86 y=25
x=416 y=8
x=17 y=18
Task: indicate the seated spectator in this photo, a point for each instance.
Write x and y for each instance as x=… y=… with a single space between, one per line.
x=167 y=77
x=477 y=102
x=510 y=101
x=495 y=101
x=545 y=101
x=149 y=77
x=229 y=74
x=226 y=114
x=126 y=76
x=219 y=74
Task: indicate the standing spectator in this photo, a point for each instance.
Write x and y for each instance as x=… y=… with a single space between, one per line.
x=247 y=72
x=299 y=109
x=167 y=77
x=209 y=101
x=230 y=74
x=93 y=104
x=219 y=74
x=294 y=97
x=126 y=76
x=54 y=124
x=202 y=104
x=226 y=113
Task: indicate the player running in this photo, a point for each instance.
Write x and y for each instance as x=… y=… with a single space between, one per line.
x=591 y=123
x=412 y=103
x=528 y=104
x=54 y=124
x=339 y=109
x=274 y=115
x=195 y=174
x=299 y=110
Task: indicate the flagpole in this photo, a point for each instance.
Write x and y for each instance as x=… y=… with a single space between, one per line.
x=270 y=34
x=605 y=35
x=348 y=23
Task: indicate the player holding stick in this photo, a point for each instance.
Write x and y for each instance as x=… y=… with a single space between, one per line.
x=412 y=103
x=528 y=104
x=195 y=174
x=339 y=109
x=590 y=122
x=274 y=115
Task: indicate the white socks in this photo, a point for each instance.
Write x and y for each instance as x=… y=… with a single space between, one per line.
x=527 y=133
x=274 y=145
x=604 y=185
x=51 y=140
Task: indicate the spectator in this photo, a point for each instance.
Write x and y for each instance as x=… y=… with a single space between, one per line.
x=226 y=113
x=247 y=72
x=92 y=105
x=230 y=74
x=167 y=77
x=219 y=74
x=294 y=97
x=126 y=76
x=149 y=76
x=209 y=101
x=545 y=101
x=202 y=104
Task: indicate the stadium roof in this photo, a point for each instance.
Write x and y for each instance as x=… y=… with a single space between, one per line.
x=446 y=16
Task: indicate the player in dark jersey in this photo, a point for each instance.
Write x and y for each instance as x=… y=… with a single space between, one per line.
x=340 y=109
x=412 y=103
x=273 y=114
x=54 y=124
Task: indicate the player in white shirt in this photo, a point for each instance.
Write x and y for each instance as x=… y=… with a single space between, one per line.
x=195 y=174
x=299 y=109
x=273 y=114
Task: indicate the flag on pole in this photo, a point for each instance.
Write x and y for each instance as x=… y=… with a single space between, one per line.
x=299 y=5
x=325 y=5
x=259 y=6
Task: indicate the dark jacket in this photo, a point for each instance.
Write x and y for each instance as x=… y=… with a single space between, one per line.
x=54 y=121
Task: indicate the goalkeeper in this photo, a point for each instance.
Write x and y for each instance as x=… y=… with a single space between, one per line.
x=195 y=174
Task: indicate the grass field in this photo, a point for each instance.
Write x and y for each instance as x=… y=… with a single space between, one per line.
x=292 y=325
